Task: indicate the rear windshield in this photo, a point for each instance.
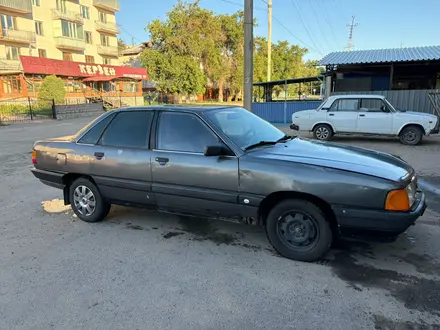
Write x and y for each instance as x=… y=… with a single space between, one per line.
x=85 y=128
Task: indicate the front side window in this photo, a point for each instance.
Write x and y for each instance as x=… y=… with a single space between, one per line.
x=373 y=105
x=243 y=127
x=345 y=105
x=129 y=129
x=184 y=132
x=93 y=135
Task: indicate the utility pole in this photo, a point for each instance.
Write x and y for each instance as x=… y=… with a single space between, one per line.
x=269 y=39
x=350 y=33
x=248 y=52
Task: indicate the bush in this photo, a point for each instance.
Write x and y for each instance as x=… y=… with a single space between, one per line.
x=52 y=87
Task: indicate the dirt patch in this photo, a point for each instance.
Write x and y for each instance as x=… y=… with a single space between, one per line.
x=55 y=206
x=134 y=227
x=424 y=263
x=172 y=234
x=382 y=323
x=202 y=230
x=415 y=293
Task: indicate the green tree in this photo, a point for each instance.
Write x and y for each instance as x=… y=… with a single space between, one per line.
x=52 y=87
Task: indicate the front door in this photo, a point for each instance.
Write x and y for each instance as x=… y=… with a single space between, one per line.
x=121 y=161
x=343 y=115
x=186 y=181
x=374 y=117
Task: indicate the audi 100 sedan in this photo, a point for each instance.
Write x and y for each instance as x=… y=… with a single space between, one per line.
x=227 y=163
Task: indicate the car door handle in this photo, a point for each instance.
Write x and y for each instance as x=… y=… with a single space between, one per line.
x=99 y=155
x=331 y=114
x=361 y=115
x=162 y=160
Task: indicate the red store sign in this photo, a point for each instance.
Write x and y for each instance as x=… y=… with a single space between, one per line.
x=48 y=66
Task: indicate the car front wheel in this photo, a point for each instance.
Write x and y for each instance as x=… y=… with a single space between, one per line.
x=87 y=201
x=298 y=230
x=323 y=132
x=411 y=135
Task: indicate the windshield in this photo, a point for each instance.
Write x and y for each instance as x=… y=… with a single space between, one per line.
x=243 y=127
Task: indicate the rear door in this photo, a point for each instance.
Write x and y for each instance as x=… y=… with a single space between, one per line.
x=184 y=179
x=374 y=117
x=343 y=115
x=121 y=162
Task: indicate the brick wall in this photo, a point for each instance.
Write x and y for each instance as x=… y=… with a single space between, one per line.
x=79 y=110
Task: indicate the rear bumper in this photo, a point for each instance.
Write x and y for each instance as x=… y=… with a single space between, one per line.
x=294 y=127
x=393 y=223
x=52 y=179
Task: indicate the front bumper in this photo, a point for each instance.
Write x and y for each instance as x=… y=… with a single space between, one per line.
x=434 y=131
x=390 y=222
x=294 y=127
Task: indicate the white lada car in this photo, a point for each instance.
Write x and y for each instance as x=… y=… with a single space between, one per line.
x=364 y=114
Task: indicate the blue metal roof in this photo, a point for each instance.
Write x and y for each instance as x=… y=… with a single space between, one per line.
x=383 y=55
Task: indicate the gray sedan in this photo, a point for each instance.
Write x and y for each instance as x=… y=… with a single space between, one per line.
x=226 y=163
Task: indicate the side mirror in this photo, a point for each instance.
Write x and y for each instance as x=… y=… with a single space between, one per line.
x=219 y=150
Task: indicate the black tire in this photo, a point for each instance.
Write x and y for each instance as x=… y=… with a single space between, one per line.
x=101 y=207
x=315 y=217
x=411 y=135
x=322 y=132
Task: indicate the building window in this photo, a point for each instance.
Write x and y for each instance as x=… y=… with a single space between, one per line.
x=7 y=22
x=61 y=5
x=105 y=40
x=12 y=53
x=42 y=53
x=11 y=84
x=88 y=37
x=106 y=61
x=90 y=59
x=85 y=12
x=102 y=17
x=36 y=3
x=67 y=56
x=39 y=28
x=72 y=30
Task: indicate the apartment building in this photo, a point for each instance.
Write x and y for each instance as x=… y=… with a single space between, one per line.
x=77 y=34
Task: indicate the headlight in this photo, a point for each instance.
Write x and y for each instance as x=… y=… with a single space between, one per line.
x=411 y=190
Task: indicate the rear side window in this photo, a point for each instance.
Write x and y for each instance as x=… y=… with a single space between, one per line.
x=345 y=105
x=93 y=135
x=129 y=129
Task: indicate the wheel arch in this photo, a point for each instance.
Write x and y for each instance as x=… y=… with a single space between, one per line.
x=274 y=198
x=323 y=123
x=412 y=124
x=68 y=179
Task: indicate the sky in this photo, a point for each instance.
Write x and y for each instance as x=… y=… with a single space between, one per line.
x=319 y=25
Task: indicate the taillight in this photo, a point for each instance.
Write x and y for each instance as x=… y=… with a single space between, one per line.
x=34 y=157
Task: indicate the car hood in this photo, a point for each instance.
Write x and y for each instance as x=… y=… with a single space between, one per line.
x=415 y=115
x=338 y=156
x=304 y=113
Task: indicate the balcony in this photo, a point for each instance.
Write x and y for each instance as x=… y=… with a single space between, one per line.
x=67 y=15
x=111 y=5
x=108 y=50
x=10 y=65
x=107 y=27
x=20 y=36
x=17 y=6
x=70 y=43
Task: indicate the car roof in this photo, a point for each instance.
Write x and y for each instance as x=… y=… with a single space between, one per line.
x=356 y=96
x=176 y=108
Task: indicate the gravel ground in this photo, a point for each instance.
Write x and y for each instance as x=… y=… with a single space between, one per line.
x=145 y=270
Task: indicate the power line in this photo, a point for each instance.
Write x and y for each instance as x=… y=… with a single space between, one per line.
x=132 y=36
x=319 y=26
x=331 y=29
x=240 y=4
x=305 y=26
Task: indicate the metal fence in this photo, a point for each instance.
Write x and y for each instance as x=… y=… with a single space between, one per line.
x=26 y=109
x=410 y=100
x=281 y=112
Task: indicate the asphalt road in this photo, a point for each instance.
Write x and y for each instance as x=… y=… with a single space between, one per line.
x=145 y=270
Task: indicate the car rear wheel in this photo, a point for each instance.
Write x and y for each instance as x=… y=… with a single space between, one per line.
x=87 y=201
x=411 y=135
x=323 y=132
x=298 y=230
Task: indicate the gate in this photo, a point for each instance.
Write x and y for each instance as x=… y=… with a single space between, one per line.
x=26 y=109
